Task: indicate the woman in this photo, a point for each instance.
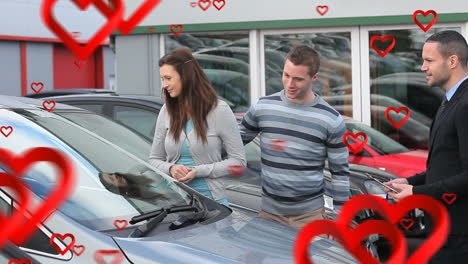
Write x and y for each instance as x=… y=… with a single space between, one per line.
x=193 y=127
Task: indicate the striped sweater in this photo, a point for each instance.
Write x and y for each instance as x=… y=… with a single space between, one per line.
x=296 y=139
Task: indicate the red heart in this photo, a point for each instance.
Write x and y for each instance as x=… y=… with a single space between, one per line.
x=236 y=170
x=397 y=125
x=24 y=261
x=278 y=145
x=62 y=252
x=178 y=31
x=126 y=26
x=78 y=252
x=3 y=130
x=406 y=223
x=98 y=256
x=218 y=5
x=355 y=147
x=204 y=4
x=76 y=34
x=34 y=86
x=151 y=30
x=82 y=52
x=322 y=10
x=79 y=63
x=12 y=222
x=123 y=224
x=449 y=198
x=393 y=214
x=48 y=105
x=382 y=39
x=19 y=164
x=351 y=239
x=193 y=4
x=425 y=28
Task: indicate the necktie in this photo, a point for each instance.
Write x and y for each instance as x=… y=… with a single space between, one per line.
x=441 y=108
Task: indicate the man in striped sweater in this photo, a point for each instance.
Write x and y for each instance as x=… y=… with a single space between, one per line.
x=298 y=132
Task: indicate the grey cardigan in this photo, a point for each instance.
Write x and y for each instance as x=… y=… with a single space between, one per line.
x=223 y=132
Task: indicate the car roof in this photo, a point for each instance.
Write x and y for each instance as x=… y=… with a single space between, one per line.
x=114 y=97
x=16 y=102
x=70 y=91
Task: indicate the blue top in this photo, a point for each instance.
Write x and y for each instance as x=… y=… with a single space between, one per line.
x=198 y=184
x=452 y=90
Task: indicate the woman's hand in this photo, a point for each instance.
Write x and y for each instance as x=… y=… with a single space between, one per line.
x=189 y=176
x=179 y=171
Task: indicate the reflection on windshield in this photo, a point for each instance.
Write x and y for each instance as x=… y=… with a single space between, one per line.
x=91 y=204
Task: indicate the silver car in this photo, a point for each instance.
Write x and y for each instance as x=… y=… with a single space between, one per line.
x=171 y=222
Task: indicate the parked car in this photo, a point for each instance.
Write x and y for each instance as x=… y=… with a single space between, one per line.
x=384 y=153
x=69 y=92
x=219 y=236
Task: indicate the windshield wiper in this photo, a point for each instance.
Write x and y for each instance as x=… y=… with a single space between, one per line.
x=158 y=216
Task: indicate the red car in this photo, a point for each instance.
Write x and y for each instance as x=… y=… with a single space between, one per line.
x=384 y=153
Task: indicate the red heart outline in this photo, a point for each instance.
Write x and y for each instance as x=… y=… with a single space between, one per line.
x=220 y=7
x=12 y=261
x=200 y=2
x=13 y=222
x=425 y=28
x=319 y=7
x=397 y=110
x=83 y=52
x=176 y=32
x=151 y=29
x=393 y=214
x=99 y=258
x=382 y=39
x=19 y=164
x=70 y=246
x=193 y=4
x=236 y=170
x=78 y=252
x=37 y=84
x=2 y=128
x=449 y=198
x=406 y=223
x=355 y=147
x=351 y=239
x=79 y=63
x=126 y=26
x=116 y=224
x=45 y=103
x=278 y=145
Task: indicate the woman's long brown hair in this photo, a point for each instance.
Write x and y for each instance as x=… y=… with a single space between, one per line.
x=197 y=94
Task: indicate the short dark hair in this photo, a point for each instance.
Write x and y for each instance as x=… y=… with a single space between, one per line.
x=451 y=43
x=305 y=55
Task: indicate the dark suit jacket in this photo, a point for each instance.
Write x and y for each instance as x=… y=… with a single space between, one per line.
x=447 y=163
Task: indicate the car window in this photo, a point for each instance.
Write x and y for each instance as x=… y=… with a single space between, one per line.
x=112 y=131
x=96 y=108
x=378 y=141
x=93 y=157
x=141 y=120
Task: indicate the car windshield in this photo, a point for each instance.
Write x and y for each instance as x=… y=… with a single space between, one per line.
x=105 y=172
x=376 y=140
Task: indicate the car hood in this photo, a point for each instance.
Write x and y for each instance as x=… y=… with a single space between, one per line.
x=235 y=239
x=412 y=156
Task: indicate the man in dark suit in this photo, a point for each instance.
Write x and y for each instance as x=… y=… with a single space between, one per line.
x=445 y=57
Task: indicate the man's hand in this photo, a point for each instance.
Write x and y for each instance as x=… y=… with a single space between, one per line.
x=179 y=171
x=397 y=181
x=189 y=176
x=405 y=190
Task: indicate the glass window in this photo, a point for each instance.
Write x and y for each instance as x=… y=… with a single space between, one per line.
x=397 y=81
x=225 y=60
x=139 y=120
x=96 y=163
x=334 y=77
x=90 y=107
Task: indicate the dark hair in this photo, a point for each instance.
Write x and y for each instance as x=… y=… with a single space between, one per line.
x=131 y=190
x=197 y=94
x=451 y=43
x=305 y=55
